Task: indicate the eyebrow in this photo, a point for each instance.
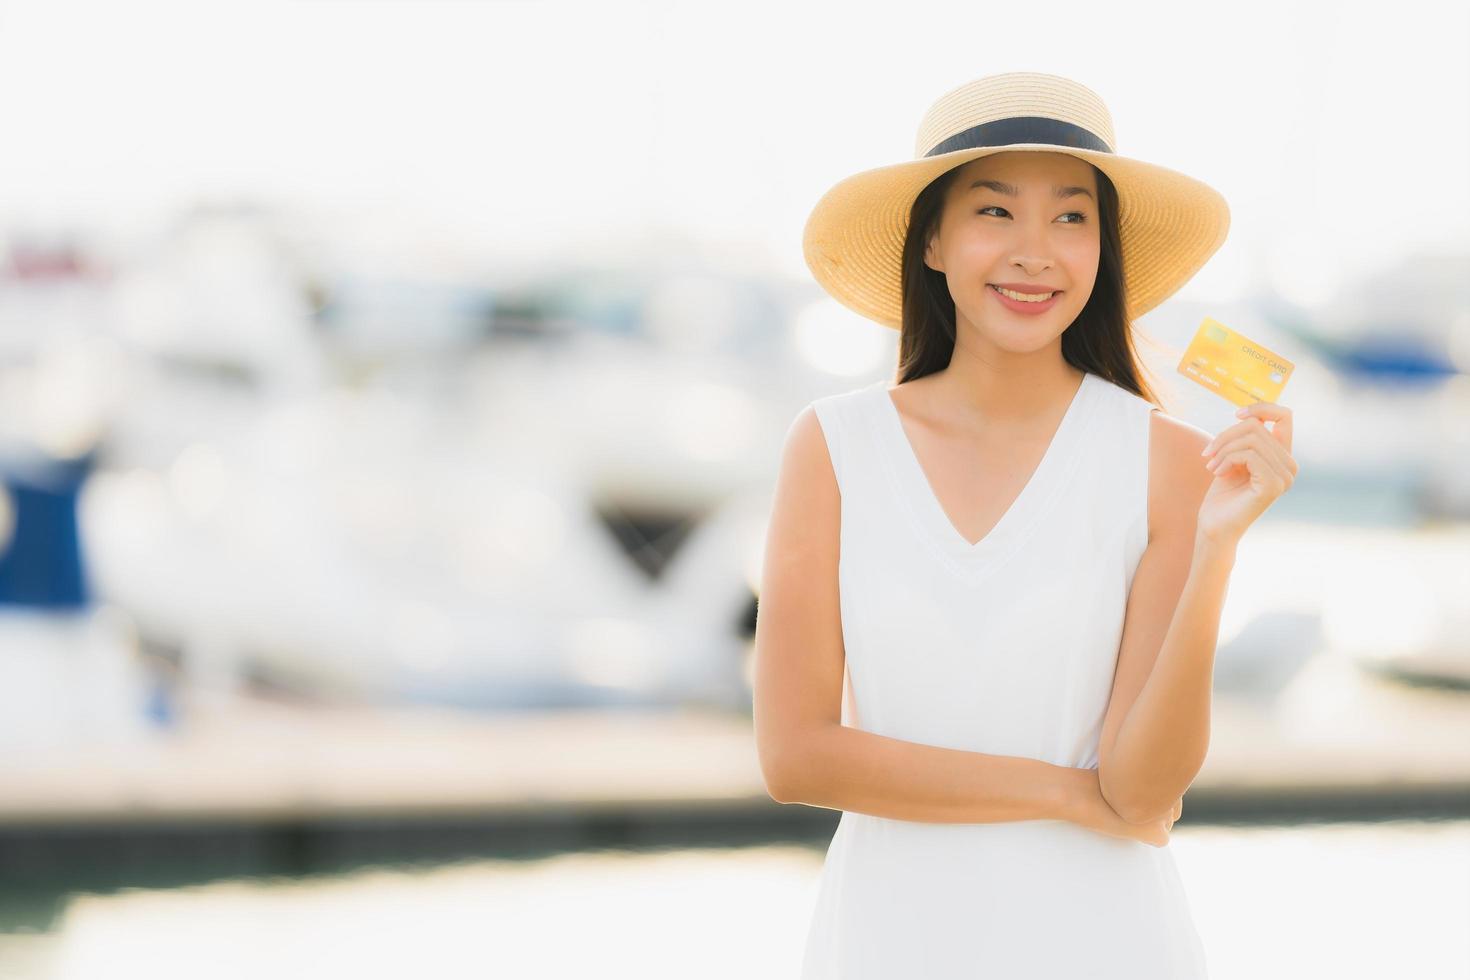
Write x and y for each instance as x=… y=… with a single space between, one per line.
x=1001 y=187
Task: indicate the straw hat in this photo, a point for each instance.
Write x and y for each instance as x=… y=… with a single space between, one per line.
x=1170 y=224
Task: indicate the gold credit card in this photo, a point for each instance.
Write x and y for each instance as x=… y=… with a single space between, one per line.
x=1234 y=366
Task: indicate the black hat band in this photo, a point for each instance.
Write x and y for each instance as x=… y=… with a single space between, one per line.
x=1022 y=129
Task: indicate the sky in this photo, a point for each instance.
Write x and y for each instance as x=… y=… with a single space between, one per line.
x=1339 y=134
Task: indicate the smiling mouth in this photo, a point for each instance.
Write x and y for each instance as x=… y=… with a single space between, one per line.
x=1025 y=297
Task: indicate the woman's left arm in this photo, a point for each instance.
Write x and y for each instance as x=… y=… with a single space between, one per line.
x=1157 y=728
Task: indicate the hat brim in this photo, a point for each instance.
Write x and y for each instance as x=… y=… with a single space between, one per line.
x=1169 y=225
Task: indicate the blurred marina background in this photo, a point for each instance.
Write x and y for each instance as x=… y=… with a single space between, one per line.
x=390 y=400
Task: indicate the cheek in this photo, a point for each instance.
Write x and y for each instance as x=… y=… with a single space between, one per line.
x=978 y=250
x=1081 y=262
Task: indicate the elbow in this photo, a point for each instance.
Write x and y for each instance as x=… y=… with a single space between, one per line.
x=782 y=787
x=1141 y=798
x=779 y=774
x=790 y=771
x=774 y=779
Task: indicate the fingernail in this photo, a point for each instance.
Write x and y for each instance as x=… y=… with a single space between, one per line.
x=1242 y=412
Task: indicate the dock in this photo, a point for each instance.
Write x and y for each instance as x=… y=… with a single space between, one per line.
x=302 y=785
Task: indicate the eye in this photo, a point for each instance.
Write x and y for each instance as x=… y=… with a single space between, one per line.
x=1081 y=217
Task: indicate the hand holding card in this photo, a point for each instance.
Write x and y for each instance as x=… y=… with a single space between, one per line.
x=1252 y=464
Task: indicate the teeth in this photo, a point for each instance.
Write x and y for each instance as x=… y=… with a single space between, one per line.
x=1024 y=297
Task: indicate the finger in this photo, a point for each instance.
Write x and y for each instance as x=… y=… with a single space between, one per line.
x=1260 y=440
x=1278 y=415
x=1256 y=464
x=1255 y=434
x=1230 y=433
x=1235 y=431
x=1276 y=457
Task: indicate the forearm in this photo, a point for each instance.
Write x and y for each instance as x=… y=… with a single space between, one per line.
x=845 y=768
x=1162 y=742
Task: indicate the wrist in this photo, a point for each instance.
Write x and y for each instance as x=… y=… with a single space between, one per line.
x=1213 y=550
x=1075 y=789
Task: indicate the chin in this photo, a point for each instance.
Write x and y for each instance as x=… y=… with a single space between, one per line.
x=1019 y=338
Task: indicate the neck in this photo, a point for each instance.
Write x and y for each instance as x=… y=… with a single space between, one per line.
x=1008 y=387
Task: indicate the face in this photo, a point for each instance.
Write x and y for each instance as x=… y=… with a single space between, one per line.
x=1004 y=223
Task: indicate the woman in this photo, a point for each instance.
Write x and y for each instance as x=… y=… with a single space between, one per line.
x=992 y=591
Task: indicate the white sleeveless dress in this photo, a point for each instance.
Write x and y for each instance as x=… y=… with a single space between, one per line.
x=1006 y=646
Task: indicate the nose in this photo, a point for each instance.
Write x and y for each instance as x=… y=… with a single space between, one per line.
x=1032 y=266
x=1031 y=251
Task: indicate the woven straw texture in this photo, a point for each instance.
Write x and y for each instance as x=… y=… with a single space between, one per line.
x=1169 y=223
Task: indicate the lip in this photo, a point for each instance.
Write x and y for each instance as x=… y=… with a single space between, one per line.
x=1019 y=306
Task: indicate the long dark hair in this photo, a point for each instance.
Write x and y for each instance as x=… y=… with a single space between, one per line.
x=1099 y=341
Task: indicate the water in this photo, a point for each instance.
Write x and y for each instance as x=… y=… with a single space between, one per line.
x=1344 y=901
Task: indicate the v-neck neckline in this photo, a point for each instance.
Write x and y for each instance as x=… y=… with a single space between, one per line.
x=912 y=484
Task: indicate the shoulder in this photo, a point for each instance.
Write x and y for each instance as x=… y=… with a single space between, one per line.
x=1177 y=478
x=805 y=522
x=841 y=409
x=1174 y=437
x=846 y=400
x=814 y=440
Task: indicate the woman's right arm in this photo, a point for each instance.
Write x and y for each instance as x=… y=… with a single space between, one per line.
x=807 y=755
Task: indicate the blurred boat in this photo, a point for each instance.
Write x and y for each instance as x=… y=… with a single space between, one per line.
x=371 y=498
